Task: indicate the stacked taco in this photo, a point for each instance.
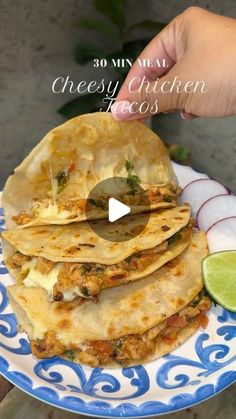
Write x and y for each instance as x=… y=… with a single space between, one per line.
x=89 y=299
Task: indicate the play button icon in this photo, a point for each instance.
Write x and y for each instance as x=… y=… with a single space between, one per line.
x=117 y=210
x=125 y=209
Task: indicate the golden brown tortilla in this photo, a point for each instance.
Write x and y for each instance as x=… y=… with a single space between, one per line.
x=68 y=280
x=54 y=181
x=77 y=242
x=129 y=309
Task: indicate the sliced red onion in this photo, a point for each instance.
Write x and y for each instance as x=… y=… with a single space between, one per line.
x=199 y=191
x=186 y=174
x=222 y=235
x=216 y=209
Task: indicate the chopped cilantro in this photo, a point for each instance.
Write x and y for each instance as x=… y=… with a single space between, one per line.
x=99 y=269
x=134 y=255
x=168 y=198
x=70 y=354
x=62 y=178
x=129 y=166
x=98 y=203
x=179 y=153
x=117 y=345
x=84 y=291
x=131 y=192
x=173 y=239
x=204 y=293
x=132 y=180
x=195 y=301
x=128 y=259
x=86 y=269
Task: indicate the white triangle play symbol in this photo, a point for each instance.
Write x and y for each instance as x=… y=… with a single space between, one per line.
x=116 y=210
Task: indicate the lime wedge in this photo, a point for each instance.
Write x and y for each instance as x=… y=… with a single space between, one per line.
x=219 y=276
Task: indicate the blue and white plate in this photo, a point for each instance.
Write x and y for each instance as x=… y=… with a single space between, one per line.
x=199 y=369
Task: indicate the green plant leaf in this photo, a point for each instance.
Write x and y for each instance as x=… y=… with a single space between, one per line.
x=83 y=104
x=146 y=24
x=179 y=153
x=85 y=52
x=113 y=9
x=130 y=50
x=105 y=27
x=133 y=49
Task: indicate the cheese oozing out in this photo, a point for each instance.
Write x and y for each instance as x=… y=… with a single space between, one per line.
x=47 y=281
x=51 y=211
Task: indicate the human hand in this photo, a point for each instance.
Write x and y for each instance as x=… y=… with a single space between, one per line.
x=196 y=45
x=5 y=387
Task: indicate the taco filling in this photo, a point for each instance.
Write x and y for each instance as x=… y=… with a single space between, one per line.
x=69 y=209
x=130 y=348
x=66 y=280
x=54 y=182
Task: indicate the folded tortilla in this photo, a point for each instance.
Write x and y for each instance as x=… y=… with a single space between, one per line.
x=78 y=242
x=130 y=309
x=68 y=280
x=53 y=183
x=72 y=260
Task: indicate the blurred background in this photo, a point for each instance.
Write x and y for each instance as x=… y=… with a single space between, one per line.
x=41 y=40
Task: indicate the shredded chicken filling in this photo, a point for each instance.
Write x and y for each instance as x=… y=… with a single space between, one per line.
x=131 y=347
x=87 y=279
x=71 y=208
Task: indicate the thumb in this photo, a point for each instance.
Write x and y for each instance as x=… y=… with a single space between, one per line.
x=147 y=98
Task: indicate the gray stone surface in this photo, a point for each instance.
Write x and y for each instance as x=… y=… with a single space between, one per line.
x=212 y=143
x=37 y=39
x=18 y=405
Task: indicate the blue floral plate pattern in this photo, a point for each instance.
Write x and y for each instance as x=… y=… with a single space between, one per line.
x=199 y=369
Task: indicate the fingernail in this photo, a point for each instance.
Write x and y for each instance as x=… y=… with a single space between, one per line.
x=122 y=110
x=187 y=116
x=183 y=115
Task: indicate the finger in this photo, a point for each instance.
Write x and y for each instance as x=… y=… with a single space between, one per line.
x=154 y=97
x=171 y=111
x=188 y=116
x=162 y=47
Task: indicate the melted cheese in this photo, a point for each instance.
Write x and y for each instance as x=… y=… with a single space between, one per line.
x=37 y=279
x=52 y=211
x=46 y=281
